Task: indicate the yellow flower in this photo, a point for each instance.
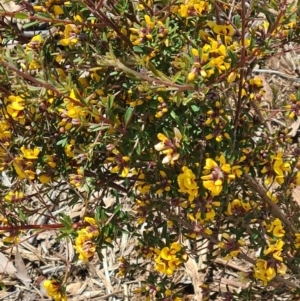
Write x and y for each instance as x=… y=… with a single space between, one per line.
x=50 y=162
x=187 y=183
x=58 y=10
x=183 y=11
x=214 y=181
x=122 y=267
x=121 y=163
x=92 y=231
x=226 y=30
x=23 y=169
x=256 y=81
x=272 y=197
x=16 y=107
x=3 y=223
x=167 y=260
x=5 y=134
x=72 y=114
x=192 y=8
x=169 y=148
x=44 y=178
x=35 y=42
x=39 y=8
x=14 y=196
x=68 y=149
x=142 y=186
x=280 y=167
x=294 y=181
x=76 y=180
x=29 y=153
x=149 y=23
x=11 y=239
x=275 y=250
x=141 y=210
x=231 y=77
x=266 y=270
x=263 y=271
x=191 y=76
x=214 y=175
x=70 y=35
x=281 y=268
x=163 y=182
x=33 y=65
x=231 y=246
x=276 y=228
x=84 y=246
x=297 y=240
x=237 y=207
x=54 y=290
x=236 y=170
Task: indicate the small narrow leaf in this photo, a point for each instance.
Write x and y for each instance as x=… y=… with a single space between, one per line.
x=30 y=24
x=110 y=99
x=176 y=118
x=128 y=114
x=21 y=16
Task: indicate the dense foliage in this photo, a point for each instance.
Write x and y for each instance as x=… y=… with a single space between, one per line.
x=157 y=103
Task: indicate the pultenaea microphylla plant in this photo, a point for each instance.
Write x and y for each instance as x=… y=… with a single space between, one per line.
x=154 y=101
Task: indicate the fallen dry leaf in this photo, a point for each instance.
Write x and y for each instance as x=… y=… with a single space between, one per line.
x=6 y=267
x=21 y=272
x=73 y=288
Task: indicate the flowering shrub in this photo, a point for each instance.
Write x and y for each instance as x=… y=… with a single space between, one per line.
x=155 y=102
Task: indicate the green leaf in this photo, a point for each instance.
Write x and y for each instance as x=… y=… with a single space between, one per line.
x=21 y=16
x=164 y=233
x=112 y=116
x=176 y=77
x=22 y=216
x=42 y=15
x=157 y=73
x=98 y=127
x=187 y=100
x=117 y=209
x=252 y=43
x=2 y=286
x=233 y=57
x=176 y=118
x=138 y=49
x=138 y=149
x=66 y=221
x=128 y=115
x=30 y=24
x=62 y=142
x=236 y=20
x=195 y=108
x=91 y=18
x=104 y=37
x=110 y=102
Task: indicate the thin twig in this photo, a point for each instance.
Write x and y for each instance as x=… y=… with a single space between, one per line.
x=242 y=73
x=263 y=194
x=289 y=77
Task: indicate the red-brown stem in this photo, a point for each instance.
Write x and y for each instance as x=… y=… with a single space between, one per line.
x=52 y=88
x=243 y=54
x=277 y=22
x=55 y=21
